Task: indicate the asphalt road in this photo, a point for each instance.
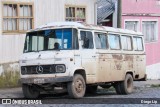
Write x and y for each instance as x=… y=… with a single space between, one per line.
x=144 y=93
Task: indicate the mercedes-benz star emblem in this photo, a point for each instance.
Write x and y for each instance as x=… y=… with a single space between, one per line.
x=39 y=69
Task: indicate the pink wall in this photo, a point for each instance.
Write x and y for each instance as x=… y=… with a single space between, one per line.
x=144 y=6
x=140 y=6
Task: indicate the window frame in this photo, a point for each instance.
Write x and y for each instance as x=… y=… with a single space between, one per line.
x=18 y=17
x=142 y=44
x=156 y=28
x=133 y=20
x=107 y=43
x=47 y=41
x=75 y=6
x=81 y=30
x=73 y=38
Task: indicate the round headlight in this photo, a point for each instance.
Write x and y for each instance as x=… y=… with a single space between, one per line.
x=23 y=70
x=60 y=68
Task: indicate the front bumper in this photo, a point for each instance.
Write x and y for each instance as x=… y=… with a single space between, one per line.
x=43 y=80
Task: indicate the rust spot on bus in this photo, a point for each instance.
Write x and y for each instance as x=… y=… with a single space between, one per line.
x=137 y=57
x=85 y=24
x=128 y=58
x=118 y=65
x=129 y=61
x=118 y=57
x=130 y=65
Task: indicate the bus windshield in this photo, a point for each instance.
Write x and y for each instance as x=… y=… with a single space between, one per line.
x=53 y=39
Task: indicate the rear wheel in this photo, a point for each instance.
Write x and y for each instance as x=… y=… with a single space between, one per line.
x=30 y=91
x=77 y=87
x=127 y=85
x=117 y=87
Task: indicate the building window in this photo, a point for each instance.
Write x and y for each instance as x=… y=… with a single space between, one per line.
x=131 y=25
x=17 y=17
x=75 y=13
x=158 y=2
x=149 y=29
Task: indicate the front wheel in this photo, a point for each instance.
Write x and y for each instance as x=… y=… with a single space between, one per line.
x=77 y=87
x=29 y=91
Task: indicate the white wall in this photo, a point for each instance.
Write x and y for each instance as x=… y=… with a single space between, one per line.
x=45 y=11
x=11 y=45
x=153 y=71
x=54 y=10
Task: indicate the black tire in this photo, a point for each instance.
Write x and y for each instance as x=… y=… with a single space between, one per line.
x=29 y=91
x=91 y=89
x=127 y=85
x=77 y=87
x=117 y=87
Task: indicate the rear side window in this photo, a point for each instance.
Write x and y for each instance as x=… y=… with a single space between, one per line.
x=101 y=41
x=126 y=43
x=87 y=38
x=138 y=43
x=114 y=41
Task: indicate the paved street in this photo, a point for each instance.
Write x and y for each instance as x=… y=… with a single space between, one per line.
x=149 y=89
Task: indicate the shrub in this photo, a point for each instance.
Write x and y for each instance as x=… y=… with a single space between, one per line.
x=9 y=79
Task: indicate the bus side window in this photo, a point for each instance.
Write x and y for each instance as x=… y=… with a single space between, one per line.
x=126 y=42
x=114 y=41
x=87 y=38
x=138 y=43
x=101 y=41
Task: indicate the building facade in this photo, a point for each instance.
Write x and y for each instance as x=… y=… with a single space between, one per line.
x=17 y=16
x=144 y=16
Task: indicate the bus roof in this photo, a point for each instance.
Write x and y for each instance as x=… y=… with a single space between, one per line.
x=83 y=25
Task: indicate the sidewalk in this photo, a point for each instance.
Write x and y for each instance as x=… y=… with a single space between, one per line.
x=148 y=83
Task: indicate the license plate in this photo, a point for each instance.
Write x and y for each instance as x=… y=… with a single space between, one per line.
x=36 y=81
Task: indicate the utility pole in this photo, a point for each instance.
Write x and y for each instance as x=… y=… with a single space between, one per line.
x=119 y=14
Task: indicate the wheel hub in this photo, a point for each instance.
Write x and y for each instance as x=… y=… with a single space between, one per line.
x=79 y=86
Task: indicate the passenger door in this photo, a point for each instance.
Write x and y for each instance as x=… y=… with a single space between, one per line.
x=88 y=55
